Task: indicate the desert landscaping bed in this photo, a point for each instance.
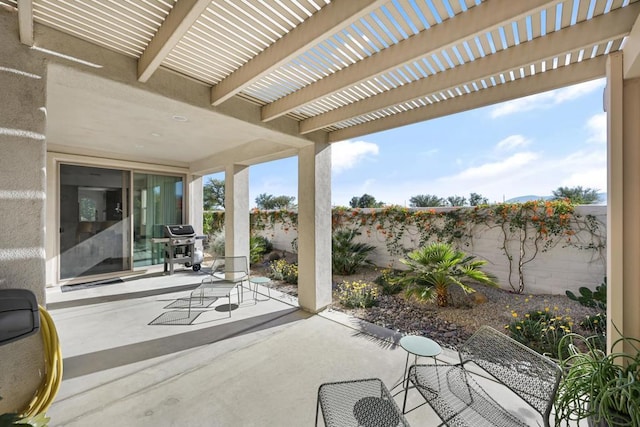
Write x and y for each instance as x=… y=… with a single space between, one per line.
x=451 y=325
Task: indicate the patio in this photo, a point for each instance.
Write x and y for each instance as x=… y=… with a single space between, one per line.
x=260 y=367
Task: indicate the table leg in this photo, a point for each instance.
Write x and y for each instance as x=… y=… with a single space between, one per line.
x=405 y=380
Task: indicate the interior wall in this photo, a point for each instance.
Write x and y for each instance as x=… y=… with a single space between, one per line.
x=22 y=201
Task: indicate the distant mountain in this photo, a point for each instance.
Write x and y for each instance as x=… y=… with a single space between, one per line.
x=528 y=198
x=602 y=199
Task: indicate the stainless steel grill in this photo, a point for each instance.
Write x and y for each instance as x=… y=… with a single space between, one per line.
x=179 y=247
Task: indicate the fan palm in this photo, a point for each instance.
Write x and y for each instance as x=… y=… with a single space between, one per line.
x=433 y=268
x=347 y=256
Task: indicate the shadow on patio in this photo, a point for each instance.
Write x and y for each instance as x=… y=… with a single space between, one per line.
x=261 y=367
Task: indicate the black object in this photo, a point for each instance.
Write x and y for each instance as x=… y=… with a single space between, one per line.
x=459 y=400
x=19 y=315
x=364 y=403
x=180 y=247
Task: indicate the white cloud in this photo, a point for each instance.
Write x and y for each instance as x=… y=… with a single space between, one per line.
x=524 y=173
x=511 y=142
x=347 y=154
x=546 y=99
x=576 y=91
x=595 y=177
x=495 y=169
x=587 y=168
x=597 y=126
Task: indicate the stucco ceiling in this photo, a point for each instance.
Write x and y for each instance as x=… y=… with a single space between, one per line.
x=91 y=115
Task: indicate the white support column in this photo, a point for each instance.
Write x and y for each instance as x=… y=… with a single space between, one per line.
x=631 y=177
x=615 y=199
x=236 y=211
x=622 y=103
x=194 y=207
x=314 y=227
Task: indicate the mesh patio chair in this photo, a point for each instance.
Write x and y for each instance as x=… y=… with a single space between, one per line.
x=227 y=274
x=459 y=400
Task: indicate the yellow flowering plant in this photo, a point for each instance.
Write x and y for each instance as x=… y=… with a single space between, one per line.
x=357 y=294
x=540 y=330
x=282 y=270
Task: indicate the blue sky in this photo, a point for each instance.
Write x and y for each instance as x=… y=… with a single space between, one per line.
x=527 y=146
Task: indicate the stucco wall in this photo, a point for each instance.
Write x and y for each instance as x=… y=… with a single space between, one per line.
x=560 y=268
x=22 y=198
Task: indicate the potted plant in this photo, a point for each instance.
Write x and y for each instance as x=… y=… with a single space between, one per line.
x=601 y=388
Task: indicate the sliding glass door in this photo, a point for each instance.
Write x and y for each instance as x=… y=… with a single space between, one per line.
x=157 y=201
x=98 y=211
x=94 y=221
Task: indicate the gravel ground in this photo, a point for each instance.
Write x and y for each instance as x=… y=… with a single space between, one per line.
x=450 y=326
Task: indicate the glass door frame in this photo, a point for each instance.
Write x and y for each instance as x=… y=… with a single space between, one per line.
x=154 y=251
x=58 y=159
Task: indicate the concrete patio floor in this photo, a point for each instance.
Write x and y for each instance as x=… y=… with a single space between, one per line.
x=261 y=367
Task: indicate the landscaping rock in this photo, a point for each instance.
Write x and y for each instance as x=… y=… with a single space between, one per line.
x=451 y=326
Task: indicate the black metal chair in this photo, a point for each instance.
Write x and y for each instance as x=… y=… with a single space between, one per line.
x=358 y=403
x=459 y=400
x=227 y=274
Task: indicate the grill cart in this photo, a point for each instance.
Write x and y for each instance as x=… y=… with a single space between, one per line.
x=179 y=247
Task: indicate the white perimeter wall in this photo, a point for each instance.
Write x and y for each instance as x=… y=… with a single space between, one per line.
x=560 y=268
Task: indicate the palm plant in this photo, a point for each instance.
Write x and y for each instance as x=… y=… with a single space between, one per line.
x=433 y=268
x=346 y=255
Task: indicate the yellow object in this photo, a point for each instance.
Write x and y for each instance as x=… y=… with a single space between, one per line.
x=43 y=398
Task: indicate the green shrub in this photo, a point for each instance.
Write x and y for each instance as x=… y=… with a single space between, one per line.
x=597 y=323
x=216 y=244
x=588 y=298
x=357 y=294
x=282 y=270
x=258 y=246
x=346 y=255
x=389 y=281
x=265 y=242
x=541 y=330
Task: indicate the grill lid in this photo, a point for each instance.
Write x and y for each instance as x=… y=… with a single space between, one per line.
x=179 y=230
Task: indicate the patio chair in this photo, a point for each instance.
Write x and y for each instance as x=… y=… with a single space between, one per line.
x=459 y=400
x=227 y=274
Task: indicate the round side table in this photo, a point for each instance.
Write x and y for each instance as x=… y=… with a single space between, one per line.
x=259 y=280
x=418 y=346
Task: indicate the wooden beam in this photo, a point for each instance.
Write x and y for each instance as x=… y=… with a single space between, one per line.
x=25 y=21
x=599 y=30
x=174 y=27
x=542 y=82
x=329 y=20
x=477 y=20
x=250 y=153
x=632 y=52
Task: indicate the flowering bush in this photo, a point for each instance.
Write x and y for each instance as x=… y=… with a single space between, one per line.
x=528 y=228
x=357 y=294
x=282 y=270
x=541 y=330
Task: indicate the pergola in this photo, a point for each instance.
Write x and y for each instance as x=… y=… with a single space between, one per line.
x=259 y=80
